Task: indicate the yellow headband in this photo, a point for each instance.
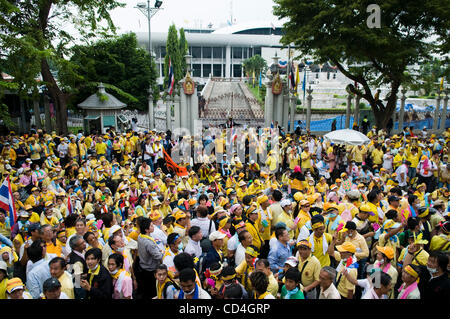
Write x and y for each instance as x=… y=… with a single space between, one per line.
x=412 y=272
x=251 y=252
x=425 y=213
x=229 y=277
x=317 y=225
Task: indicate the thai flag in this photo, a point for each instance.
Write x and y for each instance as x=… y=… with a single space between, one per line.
x=7 y=201
x=292 y=76
x=233 y=134
x=171 y=78
x=69 y=205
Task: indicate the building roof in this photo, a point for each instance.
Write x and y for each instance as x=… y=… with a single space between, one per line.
x=235 y=28
x=93 y=102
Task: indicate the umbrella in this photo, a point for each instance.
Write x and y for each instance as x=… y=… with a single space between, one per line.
x=347 y=136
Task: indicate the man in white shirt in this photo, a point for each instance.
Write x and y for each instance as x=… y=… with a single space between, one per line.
x=327 y=288
x=402 y=174
x=206 y=225
x=193 y=247
x=382 y=284
x=388 y=159
x=245 y=239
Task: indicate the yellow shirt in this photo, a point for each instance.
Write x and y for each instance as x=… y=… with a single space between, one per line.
x=344 y=284
x=73 y=149
x=273 y=286
x=421 y=258
x=358 y=154
x=3 y=289
x=324 y=259
x=67 y=285
x=377 y=156
x=243 y=271
x=311 y=271
x=100 y=148
x=306 y=160
x=254 y=231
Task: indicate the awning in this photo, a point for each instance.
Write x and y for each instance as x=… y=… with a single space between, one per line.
x=123 y=119
x=92 y=117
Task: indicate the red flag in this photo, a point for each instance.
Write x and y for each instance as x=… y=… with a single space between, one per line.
x=69 y=205
x=179 y=170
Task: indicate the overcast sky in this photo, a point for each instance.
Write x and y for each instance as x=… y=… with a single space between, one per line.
x=192 y=14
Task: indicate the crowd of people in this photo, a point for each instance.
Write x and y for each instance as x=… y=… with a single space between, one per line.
x=103 y=216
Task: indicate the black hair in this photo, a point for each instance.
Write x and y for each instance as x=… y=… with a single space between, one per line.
x=70 y=220
x=161 y=267
x=372 y=195
x=168 y=219
x=233 y=291
x=96 y=252
x=202 y=211
x=293 y=274
x=391 y=214
x=396 y=191
x=263 y=262
x=187 y=274
x=277 y=195
x=193 y=231
x=172 y=238
x=227 y=271
x=315 y=209
x=214 y=266
x=183 y=261
x=383 y=278
x=279 y=231
x=259 y=281
x=87 y=234
x=144 y=224
x=35 y=250
x=111 y=240
x=241 y=235
x=107 y=219
x=60 y=260
x=247 y=200
x=118 y=258
x=350 y=225
x=411 y=199
x=442 y=259
x=412 y=223
x=202 y=197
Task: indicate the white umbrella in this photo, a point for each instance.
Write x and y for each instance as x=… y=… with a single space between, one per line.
x=347 y=136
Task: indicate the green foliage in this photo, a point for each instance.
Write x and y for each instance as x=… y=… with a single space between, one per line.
x=256 y=91
x=32 y=33
x=172 y=52
x=430 y=73
x=119 y=63
x=335 y=31
x=184 y=50
x=255 y=64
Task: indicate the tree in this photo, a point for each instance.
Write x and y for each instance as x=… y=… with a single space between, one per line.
x=255 y=64
x=36 y=28
x=184 y=50
x=429 y=74
x=119 y=62
x=172 y=52
x=337 y=31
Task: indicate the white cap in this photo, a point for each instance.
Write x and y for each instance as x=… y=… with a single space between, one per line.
x=3 y=265
x=113 y=229
x=216 y=235
x=90 y=217
x=285 y=202
x=292 y=261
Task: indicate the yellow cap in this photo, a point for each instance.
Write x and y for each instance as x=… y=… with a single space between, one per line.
x=346 y=247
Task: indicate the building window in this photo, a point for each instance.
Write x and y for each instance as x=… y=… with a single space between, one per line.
x=217 y=53
x=245 y=53
x=206 y=52
x=237 y=71
x=206 y=70
x=237 y=53
x=197 y=70
x=217 y=70
x=196 y=52
x=257 y=50
x=163 y=52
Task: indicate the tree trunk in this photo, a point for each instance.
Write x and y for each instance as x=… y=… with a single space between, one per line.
x=60 y=98
x=37 y=113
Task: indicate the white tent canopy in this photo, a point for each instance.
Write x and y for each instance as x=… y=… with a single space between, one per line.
x=347 y=137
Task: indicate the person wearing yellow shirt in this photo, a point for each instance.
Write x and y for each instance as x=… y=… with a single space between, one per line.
x=303 y=215
x=9 y=153
x=100 y=148
x=309 y=267
x=246 y=268
x=73 y=149
x=253 y=227
x=414 y=253
x=343 y=255
x=413 y=154
x=34 y=149
x=286 y=217
x=398 y=159
x=34 y=199
x=293 y=158
x=266 y=219
x=320 y=240
x=306 y=159
x=322 y=186
x=241 y=190
x=358 y=154
x=47 y=217
x=377 y=155
x=272 y=161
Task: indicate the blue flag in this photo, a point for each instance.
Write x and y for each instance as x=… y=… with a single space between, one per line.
x=304 y=84
x=260 y=79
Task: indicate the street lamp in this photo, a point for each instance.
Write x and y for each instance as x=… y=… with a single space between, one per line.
x=149 y=12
